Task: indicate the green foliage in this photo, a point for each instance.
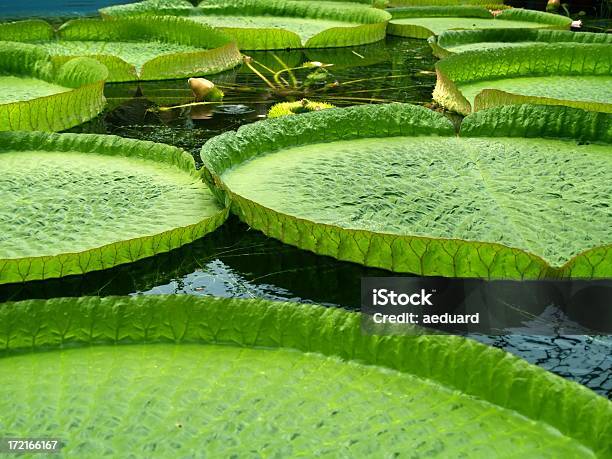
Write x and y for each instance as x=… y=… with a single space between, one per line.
x=468 y=11
x=294 y=108
x=276 y=24
x=374 y=3
x=458 y=41
x=176 y=366
x=163 y=29
x=572 y=74
x=74 y=91
x=107 y=201
x=533 y=121
x=232 y=148
x=425 y=21
x=489 y=4
x=145 y=7
x=29 y=30
x=377 y=210
x=151 y=48
x=520 y=14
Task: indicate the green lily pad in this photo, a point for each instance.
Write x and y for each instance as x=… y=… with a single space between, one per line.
x=274 y=24
x=304 y=28
x=155 y=48
x=458 y=41
x=393 y=187
x=423 y=22
x=489 y=4
x=173 y=374
x=37 y=94
x=572 y=74
x=28 y=30
x=78 y=203
x=18 y=89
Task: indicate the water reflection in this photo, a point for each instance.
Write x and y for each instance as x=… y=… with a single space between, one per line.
x=395 y=70
x=237 y=262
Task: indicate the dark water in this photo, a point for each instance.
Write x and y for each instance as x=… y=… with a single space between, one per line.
x=395 y=70
x=239 y=262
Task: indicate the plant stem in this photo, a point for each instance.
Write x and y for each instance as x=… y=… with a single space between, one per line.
x=260 y=75
x=286 y=68
x=374 y=78
x=192 y=104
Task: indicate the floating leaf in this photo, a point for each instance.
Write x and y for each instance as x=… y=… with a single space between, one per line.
x=458 y=41
x=152 y=48
x=572 y=74
x=72 y=204
x=229 y=377
x=423 y=22
x=488 y=4
x=28 y=30
x=35 y=94
x=391 y=186
x=275 y=24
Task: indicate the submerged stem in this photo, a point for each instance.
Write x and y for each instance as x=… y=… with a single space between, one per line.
x=247 y=61
x=375 y=78
x=174 y=107
x=286 y=68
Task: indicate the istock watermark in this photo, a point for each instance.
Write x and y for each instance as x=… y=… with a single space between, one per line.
x=384 y=297
x=433 y=305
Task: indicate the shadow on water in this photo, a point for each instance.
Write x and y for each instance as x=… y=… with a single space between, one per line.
x=234 y=261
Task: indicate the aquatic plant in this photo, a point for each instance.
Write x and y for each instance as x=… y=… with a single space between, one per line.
x=274 y=24
x=75 y=203
x=391 y=186
x=38 y=94
x=292 y=82
x=28 y=30
x=284 y=82
x=204 y=89
x=423 y=22
x=151 y=48
x=489 y=4
x=294 y=108
x=173 y=373
x=458 y=41
x=573 y=74
x=375 y=3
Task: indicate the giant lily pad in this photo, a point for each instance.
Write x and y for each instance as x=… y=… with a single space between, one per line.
x=152 y=48
x=489 y=4
x=275 y=24
x=459 y=41
x=391 y=186
x=36 y=94
x=171 y=375
x=423 y=22
x=78 y=203
x=563 y=74
x=28 y=30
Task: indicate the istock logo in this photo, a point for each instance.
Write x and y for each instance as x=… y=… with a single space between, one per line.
x=384 y=297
